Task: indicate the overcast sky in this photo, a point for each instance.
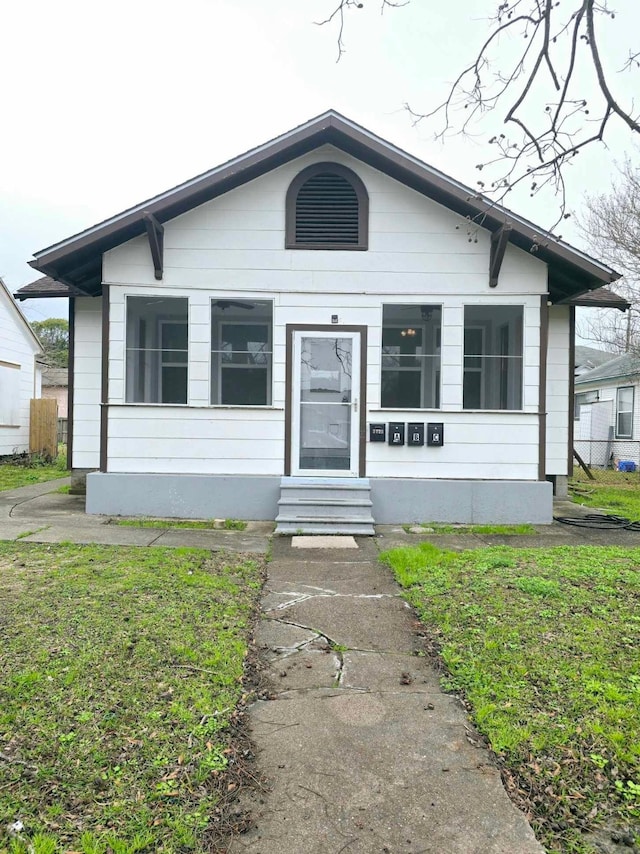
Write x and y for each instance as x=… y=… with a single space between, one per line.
x=105 y=105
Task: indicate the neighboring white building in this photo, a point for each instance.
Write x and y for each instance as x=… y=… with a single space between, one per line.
x=19 y=374
x=607 y=420
x=323 y=330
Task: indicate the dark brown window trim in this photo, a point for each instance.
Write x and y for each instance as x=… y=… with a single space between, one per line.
x=363 y=208
x=71 y=381
x=542 y=392
x=104 y=393
x=572 y=379
x=288 y=407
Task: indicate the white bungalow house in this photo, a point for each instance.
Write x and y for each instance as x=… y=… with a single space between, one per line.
x=324 y=330
x=607 y=420
x=19 y=374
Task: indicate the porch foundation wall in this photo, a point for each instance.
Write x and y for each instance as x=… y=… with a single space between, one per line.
x=478 y=502
x=395 y=500
x=183 y=496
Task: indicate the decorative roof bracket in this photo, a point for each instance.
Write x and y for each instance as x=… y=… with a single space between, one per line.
x=499 y=240
x=155 y=234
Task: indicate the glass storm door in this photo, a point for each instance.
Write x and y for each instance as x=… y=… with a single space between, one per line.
x=326 y=391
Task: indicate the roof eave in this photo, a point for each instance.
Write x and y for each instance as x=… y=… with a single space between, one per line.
x=82 y=252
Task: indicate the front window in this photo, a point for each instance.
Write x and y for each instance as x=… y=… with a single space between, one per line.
x=492 y=357
x=157 y=349
x=411 y=356
x=624 y=413
x=241 y=352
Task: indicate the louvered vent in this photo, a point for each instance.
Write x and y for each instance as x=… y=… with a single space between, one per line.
x=327 y=211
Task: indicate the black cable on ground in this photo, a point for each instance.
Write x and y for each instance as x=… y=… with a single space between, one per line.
x=599 y=522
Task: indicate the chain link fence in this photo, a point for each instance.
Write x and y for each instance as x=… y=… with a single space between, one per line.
x=609 y=460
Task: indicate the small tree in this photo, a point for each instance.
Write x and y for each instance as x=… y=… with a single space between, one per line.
x=54 y=337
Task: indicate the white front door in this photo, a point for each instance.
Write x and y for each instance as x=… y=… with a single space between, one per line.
x=325 y=403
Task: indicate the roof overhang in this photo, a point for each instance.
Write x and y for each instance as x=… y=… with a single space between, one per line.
x=77 y=261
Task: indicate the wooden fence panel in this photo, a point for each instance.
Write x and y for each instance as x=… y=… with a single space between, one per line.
x=43 y=427
x=63 y=431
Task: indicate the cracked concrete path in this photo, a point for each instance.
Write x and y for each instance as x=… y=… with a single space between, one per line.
x=362 y=751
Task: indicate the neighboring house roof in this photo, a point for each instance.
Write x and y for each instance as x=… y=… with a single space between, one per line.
x=47 y=287
x=626 y=366
x=22 y=320
x=601 y=298
x=55 y=377
x=587 y=358
x=77 y=261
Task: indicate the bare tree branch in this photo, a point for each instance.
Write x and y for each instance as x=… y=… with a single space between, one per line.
x=541 y=91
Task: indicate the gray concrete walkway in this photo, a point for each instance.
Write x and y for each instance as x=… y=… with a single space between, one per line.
x=363 y=751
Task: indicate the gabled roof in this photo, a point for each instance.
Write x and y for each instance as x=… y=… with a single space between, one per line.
x=77 y=260
x=22 y=320
x=620 y=367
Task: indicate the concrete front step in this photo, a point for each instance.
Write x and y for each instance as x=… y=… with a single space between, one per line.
x=354 y=528
x=319 y=505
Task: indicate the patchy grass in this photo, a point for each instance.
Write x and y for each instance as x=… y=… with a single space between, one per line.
x=504 y=530
x=18 y=471
x=64 y=490
x=195 y=524
x=543 y=644
x=120 y=674
x=623 y=499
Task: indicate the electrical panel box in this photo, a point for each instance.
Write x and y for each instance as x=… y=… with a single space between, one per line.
x=415 y=435
x=435 y=435
x=396 y=434
x=377 y=432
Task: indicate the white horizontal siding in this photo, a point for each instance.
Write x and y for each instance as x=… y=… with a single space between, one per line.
x=557 y=400
x=237 y=240
x=476 y=445
x=172 y=439
x=87 y=383
x=419 y=252
x=18 y=349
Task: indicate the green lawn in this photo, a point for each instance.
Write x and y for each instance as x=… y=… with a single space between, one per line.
x=120 y=673
x=621 y=498
x=195 y=524
x=543 y=644
x=14 y=476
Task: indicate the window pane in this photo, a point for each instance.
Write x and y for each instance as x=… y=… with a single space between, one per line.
x=492 y=357
x=411 y=356
x=241 y=352
x=624 y=415
x=401 y=390
x=157 y=351
x=241 y=386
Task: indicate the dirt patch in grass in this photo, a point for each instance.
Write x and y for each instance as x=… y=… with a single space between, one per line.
x=122 y=683
x=542 y=644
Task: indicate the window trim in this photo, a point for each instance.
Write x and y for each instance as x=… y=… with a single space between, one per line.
x=431 y=362
x=624 y=411
x=220 y=321
x=498 y=356
x=159 y=323
x=363 y=208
